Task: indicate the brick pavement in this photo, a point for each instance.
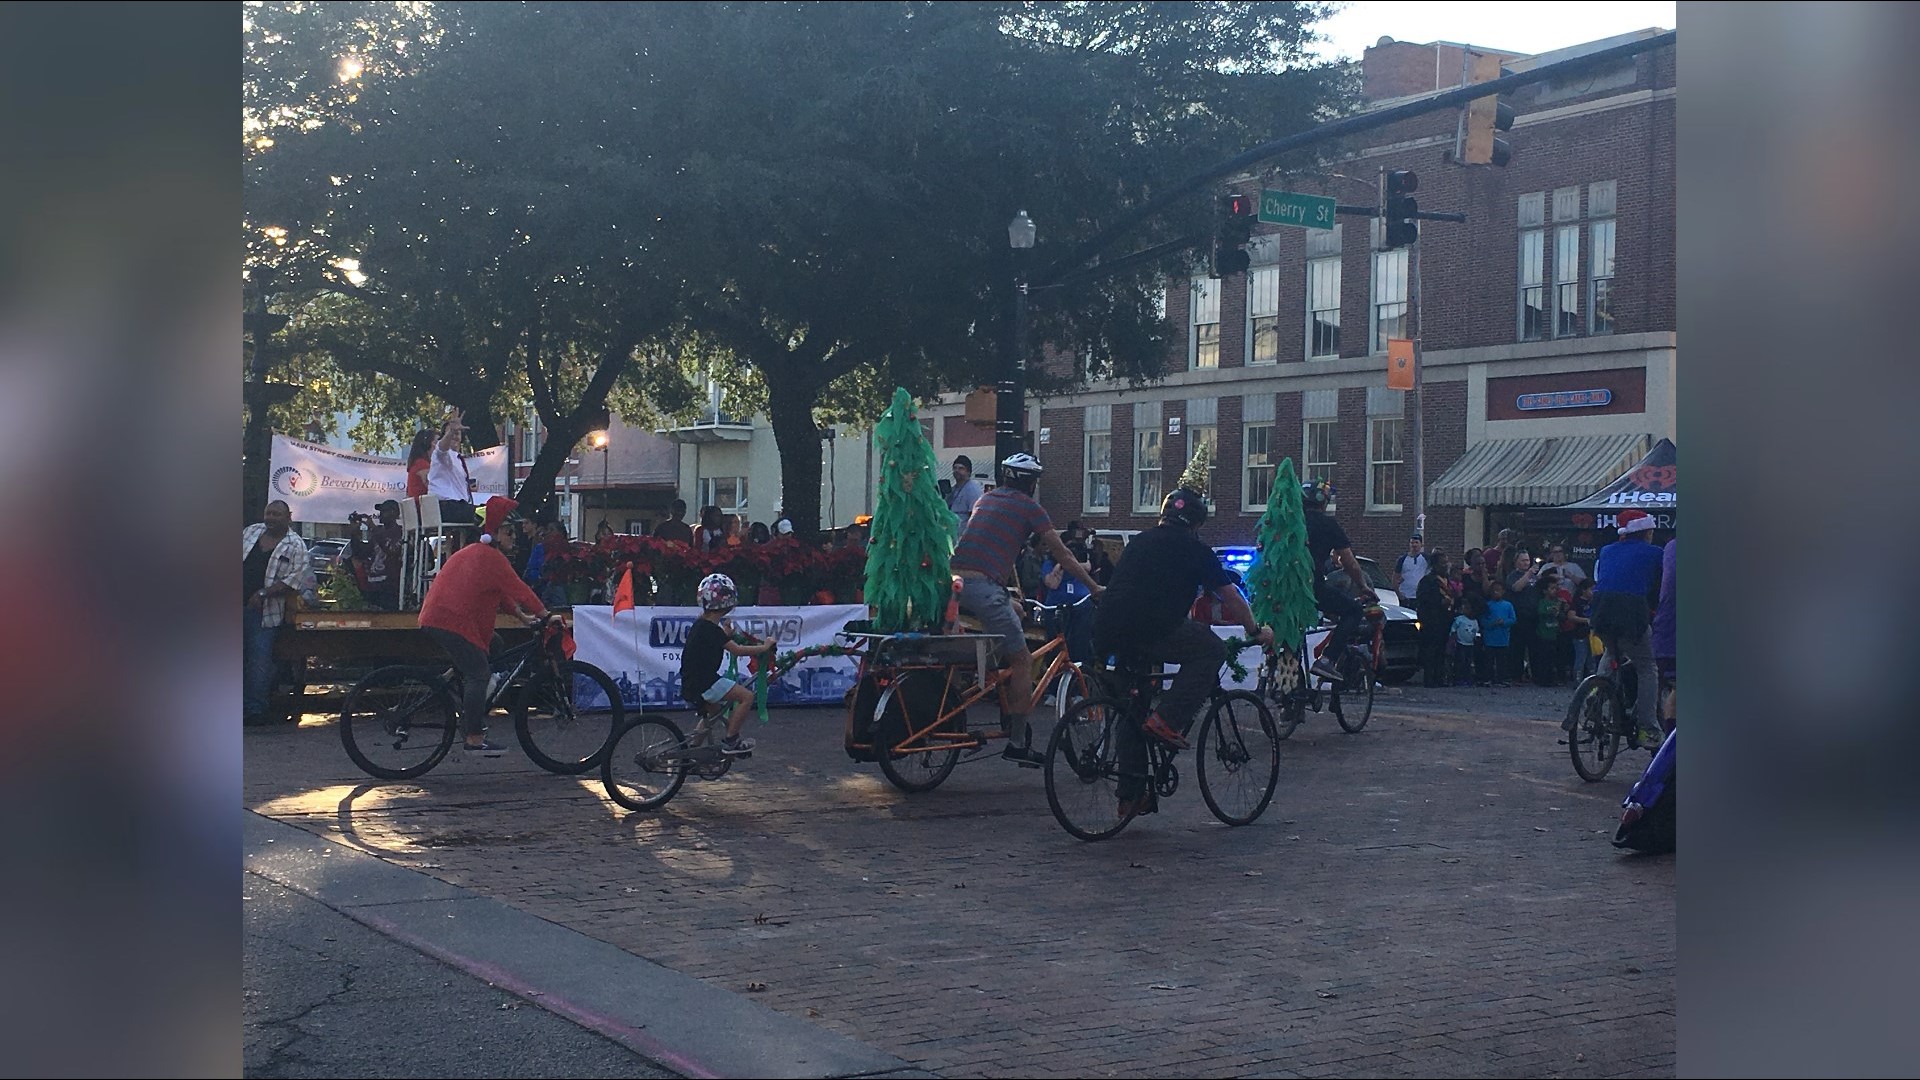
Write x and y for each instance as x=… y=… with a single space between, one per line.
x=1433 y=897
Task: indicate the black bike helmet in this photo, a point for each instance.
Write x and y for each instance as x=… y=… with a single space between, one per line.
x=1184 y=506
x=1316 y=494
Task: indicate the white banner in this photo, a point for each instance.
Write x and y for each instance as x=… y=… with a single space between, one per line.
x=322 y=484
x=640 y=650
x=1253 y=658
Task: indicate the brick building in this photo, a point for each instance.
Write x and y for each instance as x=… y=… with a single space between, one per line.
x=1561 y=283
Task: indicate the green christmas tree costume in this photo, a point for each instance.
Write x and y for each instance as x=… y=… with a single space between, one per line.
x=1282 y=579
x=909 y=579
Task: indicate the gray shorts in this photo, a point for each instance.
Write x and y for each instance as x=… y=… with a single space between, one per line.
x=990 y=603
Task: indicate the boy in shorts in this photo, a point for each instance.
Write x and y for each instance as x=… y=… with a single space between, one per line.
x=707 y=641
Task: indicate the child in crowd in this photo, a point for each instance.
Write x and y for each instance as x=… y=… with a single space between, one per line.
x=700 y=679
x=1496 y=629
x=1463 y=645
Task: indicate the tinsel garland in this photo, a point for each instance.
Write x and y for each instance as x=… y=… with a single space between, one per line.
x=764 y=673
x=909 y=577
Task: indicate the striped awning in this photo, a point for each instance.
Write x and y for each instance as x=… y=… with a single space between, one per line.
x=1537 y=472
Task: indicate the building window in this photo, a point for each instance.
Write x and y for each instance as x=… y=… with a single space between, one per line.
x=1203 y=429
x=1146 y=456
x=1321 y=449
x=1204 y=350
x=1566 y=280
x=729 y=493
x=530 y=439
x=1263 y=315
x=1389 y=297
x=1258 y=460
x=1600 y=203
x=1099 y=491
x=1533 y=266
x=1323 y=307
x=1384 y=460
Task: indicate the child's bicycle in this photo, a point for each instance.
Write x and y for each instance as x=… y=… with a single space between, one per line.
x=400 y=721
x=650 y=758
x=1235 y=750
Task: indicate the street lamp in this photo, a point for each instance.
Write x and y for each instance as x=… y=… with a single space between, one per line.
x=1010 y=402
x=600 y=443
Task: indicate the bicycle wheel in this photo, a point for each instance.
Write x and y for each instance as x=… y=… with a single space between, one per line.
x=565 y=724
x=644 y=767
x=1238 y=758
x=1353 y=692
x=1593 y=718
x=910 y=704
x=398 y=722
x=1083 y=770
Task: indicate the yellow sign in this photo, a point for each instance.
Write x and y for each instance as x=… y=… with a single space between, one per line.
x=1399 y=364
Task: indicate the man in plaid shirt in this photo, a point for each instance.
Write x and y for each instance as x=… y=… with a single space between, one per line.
x=274 y=567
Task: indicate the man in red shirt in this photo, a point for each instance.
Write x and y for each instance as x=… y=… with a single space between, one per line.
x=475 y=585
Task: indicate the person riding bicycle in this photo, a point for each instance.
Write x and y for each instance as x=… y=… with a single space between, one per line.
x=1144 y=615
x=700 y=678
x=995 y=531
x=1329 y=548
x=1626 y=587
x=475 y=585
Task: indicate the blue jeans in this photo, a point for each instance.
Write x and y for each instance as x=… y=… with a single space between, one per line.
x=257 y=674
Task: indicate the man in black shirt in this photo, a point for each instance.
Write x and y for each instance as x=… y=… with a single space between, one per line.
x=1327 y=543
x=1144 y=614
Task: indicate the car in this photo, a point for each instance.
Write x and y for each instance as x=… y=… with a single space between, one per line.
x=1399 y=637
x=324 y=555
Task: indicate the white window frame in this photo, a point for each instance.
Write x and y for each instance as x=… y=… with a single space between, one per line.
x=1389 y=290
x=1202 y=425
x=1147 y=479
x=1567 y=321
x=1320 y=269
x=1263 y=303
x=1098 y=424
x=1376 y=462
x=1203 y=300
x=527 y=439
x=1602 y=238
x=710 y=492
x=1308 y=470
x=1257 y=414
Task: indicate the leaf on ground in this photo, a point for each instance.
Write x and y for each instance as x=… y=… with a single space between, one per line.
x=1324 y=994
x=756 y=987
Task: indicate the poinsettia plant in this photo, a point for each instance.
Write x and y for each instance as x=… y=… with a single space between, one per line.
x=668 y=572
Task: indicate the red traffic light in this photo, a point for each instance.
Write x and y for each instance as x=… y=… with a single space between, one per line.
x=1240 y=206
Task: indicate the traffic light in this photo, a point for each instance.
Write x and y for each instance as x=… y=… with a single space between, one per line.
x=1231 y=236
x=1484 y=117
x=1397 y=206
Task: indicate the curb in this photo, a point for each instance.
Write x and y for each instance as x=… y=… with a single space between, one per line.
x=677 y=1021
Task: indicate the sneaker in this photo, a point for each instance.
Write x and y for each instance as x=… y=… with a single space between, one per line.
x=485 y=749
x=1145 y=804
x=736 y=746
x=1024 y=756
x=1324 y=669
x=1159 y=729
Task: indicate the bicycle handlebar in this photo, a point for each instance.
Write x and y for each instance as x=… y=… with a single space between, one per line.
x=1038 y=606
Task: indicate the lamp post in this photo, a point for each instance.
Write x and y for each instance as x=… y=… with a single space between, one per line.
x=1010 y=401
x=600 y=443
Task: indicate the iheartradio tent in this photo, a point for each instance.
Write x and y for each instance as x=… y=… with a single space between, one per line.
x=1651 y=485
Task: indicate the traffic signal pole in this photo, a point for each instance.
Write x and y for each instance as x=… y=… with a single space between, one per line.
x=1419 y=410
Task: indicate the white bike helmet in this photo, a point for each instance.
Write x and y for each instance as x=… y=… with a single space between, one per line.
x=717 y=593
x=1023 y=463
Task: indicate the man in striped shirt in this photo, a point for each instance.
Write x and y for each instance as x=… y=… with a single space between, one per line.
x=989 y=544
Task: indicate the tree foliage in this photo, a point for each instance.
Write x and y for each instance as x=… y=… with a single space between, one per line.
x=806 y=202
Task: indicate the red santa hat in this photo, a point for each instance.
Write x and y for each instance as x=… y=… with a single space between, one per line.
x=500 y=506
x=1633 y=521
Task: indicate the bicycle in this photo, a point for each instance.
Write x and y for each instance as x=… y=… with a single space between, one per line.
x=1600 y=718
x=650 y=759
x=1292 y=688
x=927 y=683
x=1236 y=756
x=400 y=721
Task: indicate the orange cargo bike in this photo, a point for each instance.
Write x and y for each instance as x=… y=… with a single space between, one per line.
x=910 y=710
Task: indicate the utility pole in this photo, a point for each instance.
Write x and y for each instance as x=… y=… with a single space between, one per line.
x=1419 y=375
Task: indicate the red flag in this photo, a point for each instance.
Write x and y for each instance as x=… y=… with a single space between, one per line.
x=623 y=596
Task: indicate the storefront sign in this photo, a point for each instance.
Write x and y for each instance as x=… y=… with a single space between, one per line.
x=1564 y=399
x=640 y=650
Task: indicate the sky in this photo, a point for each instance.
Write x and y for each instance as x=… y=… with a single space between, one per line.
x=1545 y=26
